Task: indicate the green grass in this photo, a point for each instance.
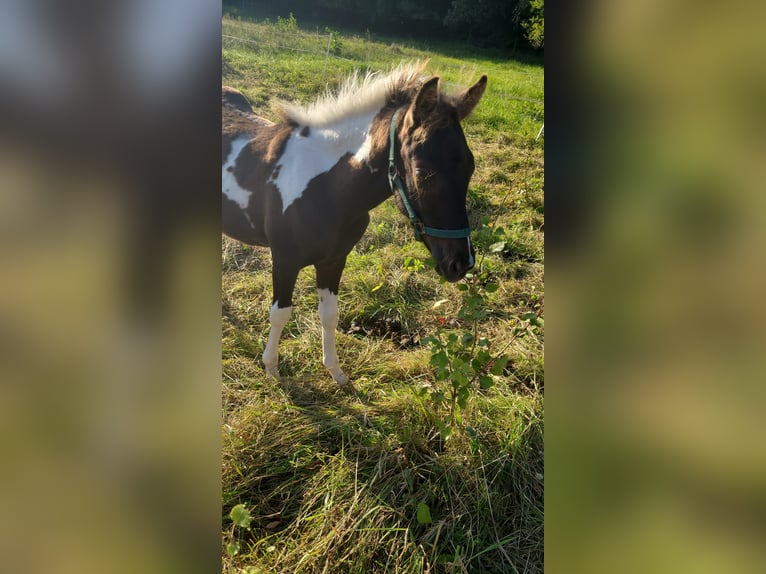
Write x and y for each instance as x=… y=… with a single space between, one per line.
x=333 y=479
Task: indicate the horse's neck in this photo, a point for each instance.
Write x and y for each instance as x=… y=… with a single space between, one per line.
x=367 y=185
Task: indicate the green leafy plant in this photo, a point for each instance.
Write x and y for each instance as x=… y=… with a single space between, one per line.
x=336 y=43
x=240 y=518
x=413 y=264
x=462 y=358
x=289 y=24
x=423 y=513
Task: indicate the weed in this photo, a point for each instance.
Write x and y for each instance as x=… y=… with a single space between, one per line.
x=336 y=43
x=289 y=24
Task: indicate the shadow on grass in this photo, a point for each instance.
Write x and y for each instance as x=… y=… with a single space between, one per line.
x=484 y=494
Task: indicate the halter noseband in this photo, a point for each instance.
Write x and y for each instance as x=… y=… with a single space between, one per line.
x=397 y=186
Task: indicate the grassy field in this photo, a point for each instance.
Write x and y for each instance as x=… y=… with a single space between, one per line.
x=334 y=480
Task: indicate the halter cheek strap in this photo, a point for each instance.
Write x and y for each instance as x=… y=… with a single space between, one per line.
x=398 y=187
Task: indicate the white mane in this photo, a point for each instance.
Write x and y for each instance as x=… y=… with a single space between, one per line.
x=358 y=95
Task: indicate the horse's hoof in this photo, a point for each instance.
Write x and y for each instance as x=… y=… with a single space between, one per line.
x=347 y=386
x=273 y=373
x=341 y=378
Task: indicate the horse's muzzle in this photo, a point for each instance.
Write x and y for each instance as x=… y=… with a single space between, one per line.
x=454 y=257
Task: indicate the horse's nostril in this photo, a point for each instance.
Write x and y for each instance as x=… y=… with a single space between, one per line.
x=457 y=267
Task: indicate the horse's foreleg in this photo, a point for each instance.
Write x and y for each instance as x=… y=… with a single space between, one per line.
x=328 y=315
x=281 y=309
x=328 y=280
x=278 y=318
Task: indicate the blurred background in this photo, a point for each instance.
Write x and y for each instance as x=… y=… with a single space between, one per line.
x=655 y=451
x=109 y=286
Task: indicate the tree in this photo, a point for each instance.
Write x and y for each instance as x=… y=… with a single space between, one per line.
x=534 y=26
x=496 y=22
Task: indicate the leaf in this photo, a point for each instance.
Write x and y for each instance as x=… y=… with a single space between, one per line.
x=497 y=247
x=439 y=303
x=378 y=286
x=240 y=515
x=499 y=365
x=483 y=356
x=491 y=287
x=232 y=549
x=424 y=513
x=459 y=379
x=471 y=432
x=413 y=263
x=486 y=382
x=439 y=359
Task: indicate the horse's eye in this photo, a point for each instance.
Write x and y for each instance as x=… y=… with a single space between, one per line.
x=420 y=172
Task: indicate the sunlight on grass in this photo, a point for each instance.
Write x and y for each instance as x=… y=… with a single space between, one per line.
x=334 y=480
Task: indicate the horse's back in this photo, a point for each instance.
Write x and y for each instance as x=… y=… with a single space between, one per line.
x=237 y=114
x=238 y=119
x=250 y=145
x=235 y=99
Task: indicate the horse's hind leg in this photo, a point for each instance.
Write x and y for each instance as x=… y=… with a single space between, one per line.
x=283 y=281
x=328 y=280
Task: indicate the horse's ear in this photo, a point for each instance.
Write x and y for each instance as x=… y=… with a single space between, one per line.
x=426 y=99
x=468 y=99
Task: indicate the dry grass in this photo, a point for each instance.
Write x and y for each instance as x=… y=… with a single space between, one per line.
x=334 y=479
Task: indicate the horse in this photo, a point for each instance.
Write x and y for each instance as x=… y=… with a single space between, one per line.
x=304 y=186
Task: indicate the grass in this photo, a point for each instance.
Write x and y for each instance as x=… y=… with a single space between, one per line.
x=334 y=479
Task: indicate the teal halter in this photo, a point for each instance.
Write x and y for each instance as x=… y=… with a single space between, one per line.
x=397 y=186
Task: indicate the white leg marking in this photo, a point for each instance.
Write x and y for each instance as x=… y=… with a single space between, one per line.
x=328 y=315
x=278 y=319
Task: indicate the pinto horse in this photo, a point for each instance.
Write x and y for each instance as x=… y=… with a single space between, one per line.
x=304 y=186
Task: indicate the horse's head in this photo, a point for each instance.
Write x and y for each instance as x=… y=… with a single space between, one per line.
x=436 y=165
